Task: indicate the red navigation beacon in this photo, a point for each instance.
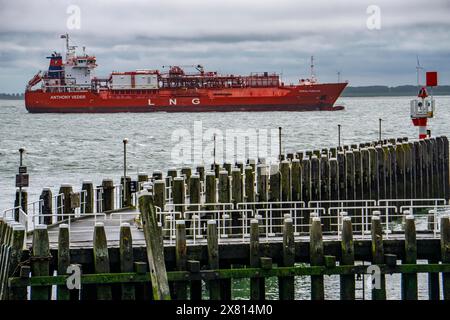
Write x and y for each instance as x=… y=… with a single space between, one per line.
x=422 y=108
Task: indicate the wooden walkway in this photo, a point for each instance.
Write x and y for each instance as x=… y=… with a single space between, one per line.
x=82 y=232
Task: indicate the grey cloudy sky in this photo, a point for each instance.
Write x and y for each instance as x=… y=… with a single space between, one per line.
x=233 y=36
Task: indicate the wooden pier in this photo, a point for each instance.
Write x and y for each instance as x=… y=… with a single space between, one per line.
x=315 y=213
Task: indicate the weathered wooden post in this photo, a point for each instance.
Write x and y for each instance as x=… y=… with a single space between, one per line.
x=347 y=259
x=17 y=241
x=296 y=180
x=286 y=284
x=65 y=189
x=201 y=172
x=418 y=179
x=409 y=188
x=358 y=174
x=446 y=173
x=158 y=175
x=325 y=187
x=126 y=192
x=23 y=195
x=179 y=194
x=159 y=194
x=181 y=257
x=381 y=172
x=194 y=200
x=63 y=259
x=210 y=190
x=225 y=196
x=374 y=178
x=440 y=166
x=126 y=259
x=227 y=166
x=350 y=183
x=237 y=197
x=155 y=250
x=275 y=196
x=285 y=171
x=378 y=293
x=334 y=189
x=400 y=171
x=108 y=194
x=237 y=194
x=316 y=258
x=101 y=260
x=445 y=254
x=409 y=281
x=365 y=174
x=262 y=182
x=87 y=188
x=187 y=172
x=213 y=258
x=47 y=206
x=257 y=285
x=315 y=178
x=306 y=180
x=142 y=177
x=40 y=265
x=387 y=171
x=342 y=178
x=249 y=184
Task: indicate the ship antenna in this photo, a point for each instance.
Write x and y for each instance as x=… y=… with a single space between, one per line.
x=418 y=68
x=66 y=36
x=312 y=69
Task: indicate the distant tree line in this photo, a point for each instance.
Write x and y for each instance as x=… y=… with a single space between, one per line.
x=11 y=96
x=373 y=91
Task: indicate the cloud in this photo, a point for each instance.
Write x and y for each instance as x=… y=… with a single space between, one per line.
x=232 y=36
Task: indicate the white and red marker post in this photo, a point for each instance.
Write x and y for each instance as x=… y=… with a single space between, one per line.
x=422 y=108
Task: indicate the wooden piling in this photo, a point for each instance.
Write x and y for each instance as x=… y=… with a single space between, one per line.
x=23 y=205
x=306 y=180
x=88 y=188
x=159 y=194
x=249 y=184
x=409 y=280
x=17 y=241
x=179 y=194
x=108 y=194
x=286 y=183
x=237 y=194
x=47 y=206
x=126 y=191
x=374 y=178
x=315 y=178
x=316 y=258
x=63 y=259
x=257 y=285
x=365 y=173
x=201 y=172
x=40 y=261
x=400 y=171
x=445 y=254
x=417 y=179
x=181 y=259
x=101 y=260
x=262 y=183
x=325 y=187
x=213 y=258
x=286 y=284
x=210 y=189
x=126 y=259
x=347 y=259
x=378 y=256
x=358 y=174
x=155 y=252
x=296 y=180
x=342 y=177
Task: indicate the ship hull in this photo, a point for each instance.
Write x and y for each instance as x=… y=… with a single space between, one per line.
x=317 y=97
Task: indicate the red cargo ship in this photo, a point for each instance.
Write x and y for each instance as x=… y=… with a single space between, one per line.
x=69 y=86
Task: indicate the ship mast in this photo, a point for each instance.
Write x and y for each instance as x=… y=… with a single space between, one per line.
x=418 y=68
x=313 y=76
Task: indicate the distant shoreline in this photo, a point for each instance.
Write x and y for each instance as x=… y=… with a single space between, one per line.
x=361 y=91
